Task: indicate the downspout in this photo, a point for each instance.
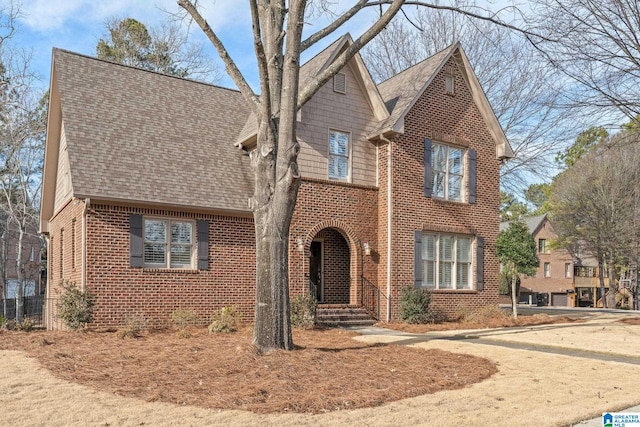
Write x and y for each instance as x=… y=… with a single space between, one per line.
x=83 y=262
x=389 y=216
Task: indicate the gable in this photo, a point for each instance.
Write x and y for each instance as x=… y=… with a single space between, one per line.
x=350 y=113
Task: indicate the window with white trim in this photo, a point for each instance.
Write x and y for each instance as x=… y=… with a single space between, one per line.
x=168 y=243
x=567 y=270
x=339 y=155
x=447 y=165
x=547 y=269
x=542 y=246
x=446 y=261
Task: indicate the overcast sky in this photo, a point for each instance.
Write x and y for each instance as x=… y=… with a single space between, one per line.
x=77 y=25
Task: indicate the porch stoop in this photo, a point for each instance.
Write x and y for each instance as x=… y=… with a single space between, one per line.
x=343 y=315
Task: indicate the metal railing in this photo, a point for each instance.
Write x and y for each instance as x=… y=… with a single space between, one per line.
x=33 y=309
x=370 y=298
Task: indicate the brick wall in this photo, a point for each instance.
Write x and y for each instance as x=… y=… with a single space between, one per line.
x=454 y=120
x=556 y=282
x=348 y=209
x=125 y=293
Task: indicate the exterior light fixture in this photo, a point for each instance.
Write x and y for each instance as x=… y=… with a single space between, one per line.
x=367 y=249
x=300 y=244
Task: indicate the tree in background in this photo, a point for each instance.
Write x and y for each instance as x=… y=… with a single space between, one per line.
x=595 y=43
x=22 y=130
x=525 y=93
x=538 y=195
x=584 y=143
x=516 y=251
x=164 y=49
x=596 y=204
x=511 y=208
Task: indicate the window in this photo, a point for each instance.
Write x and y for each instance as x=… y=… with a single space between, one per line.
x=567 y=270
x=61 y=253
x=73 y=243
x=340 y=83
x=542 y=246
x=338 y=155
x=547 y=269
x=448 y=172
x=446 y=261
x=168 y=243
x=449 y=80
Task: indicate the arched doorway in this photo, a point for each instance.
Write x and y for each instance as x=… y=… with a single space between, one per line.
x=330 y=267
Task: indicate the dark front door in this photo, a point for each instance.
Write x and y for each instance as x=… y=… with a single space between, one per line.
x=315 y=269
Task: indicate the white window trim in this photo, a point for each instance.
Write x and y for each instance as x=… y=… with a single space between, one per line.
x=546 y=272
x=454 y=269
x=349 y=155
x=167 y=243
x=463 y=168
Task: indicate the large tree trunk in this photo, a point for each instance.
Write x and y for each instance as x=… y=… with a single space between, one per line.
x=514 y=297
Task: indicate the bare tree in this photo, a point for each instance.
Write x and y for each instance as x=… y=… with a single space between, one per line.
x=595 y=206
x=526 y=94
x=22 y=127
x=277 y=37
x=164 y=48
x=595 y=43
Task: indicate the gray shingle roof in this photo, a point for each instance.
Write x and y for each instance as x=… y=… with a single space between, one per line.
x=146 y=137
x=532 y=223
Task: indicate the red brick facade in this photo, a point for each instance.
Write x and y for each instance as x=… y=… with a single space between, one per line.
x=344 y=216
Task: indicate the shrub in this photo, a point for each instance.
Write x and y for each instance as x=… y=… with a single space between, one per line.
x=75 y=307
x=414 y=305
x=227 y=319
x=303 y=311
x=3 y=322
x=27 y=325
x=133 y=327
x=184 y=317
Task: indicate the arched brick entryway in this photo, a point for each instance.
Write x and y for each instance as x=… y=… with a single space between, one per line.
x=333 y=268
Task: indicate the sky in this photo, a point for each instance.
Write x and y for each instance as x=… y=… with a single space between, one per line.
x=78 y=25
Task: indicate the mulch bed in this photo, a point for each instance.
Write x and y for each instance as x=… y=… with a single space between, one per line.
x=328 y=371
x=631 y=320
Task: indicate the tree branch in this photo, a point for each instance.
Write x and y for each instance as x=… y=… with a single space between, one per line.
x=314 y=38
x=230 y=65
x=307 y=92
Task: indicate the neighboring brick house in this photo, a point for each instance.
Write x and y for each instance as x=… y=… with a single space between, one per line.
x=553 y=280
x=145 y=196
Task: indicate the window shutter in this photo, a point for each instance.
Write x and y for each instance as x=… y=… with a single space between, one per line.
x=203 y=244
x=472 y=175
x=417 y=261
x=135 y=240
x=479 y=263
x=428 y=172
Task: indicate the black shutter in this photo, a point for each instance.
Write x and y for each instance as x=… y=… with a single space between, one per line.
x=428 y=171
x=417 y=259
x=472 y=175
x=203 y=244
x=135 y=240
x=479 y=263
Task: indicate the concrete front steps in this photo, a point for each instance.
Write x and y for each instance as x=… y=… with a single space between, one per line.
x=343 y=315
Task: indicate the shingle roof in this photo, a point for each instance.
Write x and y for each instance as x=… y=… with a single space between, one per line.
x=532 y=223
x=143 y=136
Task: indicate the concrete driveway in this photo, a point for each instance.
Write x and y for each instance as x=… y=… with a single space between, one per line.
x=561 y=374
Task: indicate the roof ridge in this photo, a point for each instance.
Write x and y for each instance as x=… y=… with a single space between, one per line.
x=419 y=63
x=106 y=61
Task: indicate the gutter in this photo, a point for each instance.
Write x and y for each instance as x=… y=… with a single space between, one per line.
x=389 y=217
x=87 y=204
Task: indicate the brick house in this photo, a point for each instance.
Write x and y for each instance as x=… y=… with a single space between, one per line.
x=554 y=279
x=145 y=196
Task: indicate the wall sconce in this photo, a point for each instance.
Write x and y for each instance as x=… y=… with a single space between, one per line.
x=367 y=249
x=300 y=244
